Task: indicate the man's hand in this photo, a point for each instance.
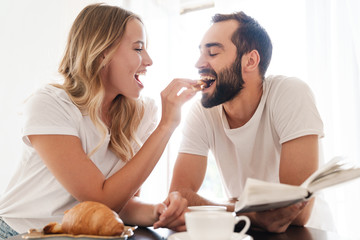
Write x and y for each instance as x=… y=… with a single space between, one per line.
x=277 y=220
x=171 y=212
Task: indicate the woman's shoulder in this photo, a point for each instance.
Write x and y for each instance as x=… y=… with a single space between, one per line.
x=149 y=102
x=51 y=99
x=150 y=106
x=51 y=93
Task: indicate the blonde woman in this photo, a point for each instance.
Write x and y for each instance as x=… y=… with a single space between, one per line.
x=93 y=137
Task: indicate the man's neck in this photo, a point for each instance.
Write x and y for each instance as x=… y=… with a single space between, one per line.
x=240 y=110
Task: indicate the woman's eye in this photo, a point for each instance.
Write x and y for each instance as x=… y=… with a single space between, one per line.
x=138 y=50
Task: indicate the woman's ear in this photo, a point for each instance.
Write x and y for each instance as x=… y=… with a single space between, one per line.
x=250 y=61
x=102 y=58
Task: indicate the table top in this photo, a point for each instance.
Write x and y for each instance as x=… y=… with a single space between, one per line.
x=293 y=233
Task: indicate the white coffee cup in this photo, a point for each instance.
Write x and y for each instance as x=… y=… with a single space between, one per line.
x=207 y=208
x=213 y=225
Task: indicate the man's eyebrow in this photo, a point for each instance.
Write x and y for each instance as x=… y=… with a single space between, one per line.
x=215 y=44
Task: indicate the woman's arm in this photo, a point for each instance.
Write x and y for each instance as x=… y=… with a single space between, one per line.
x=136 y=212
x=65 y=158
x=169 y=213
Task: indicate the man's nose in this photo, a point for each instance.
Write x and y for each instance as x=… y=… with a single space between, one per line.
x=201 y=63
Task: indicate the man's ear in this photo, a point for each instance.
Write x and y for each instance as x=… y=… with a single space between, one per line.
x=250 y=61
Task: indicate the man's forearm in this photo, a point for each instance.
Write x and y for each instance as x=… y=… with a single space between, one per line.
x=195 y=199
x=304 y=216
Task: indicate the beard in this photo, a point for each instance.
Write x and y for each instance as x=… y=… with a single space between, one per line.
x=229 y=83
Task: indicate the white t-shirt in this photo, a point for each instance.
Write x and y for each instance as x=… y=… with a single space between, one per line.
x=34 y=197
x=286 y=111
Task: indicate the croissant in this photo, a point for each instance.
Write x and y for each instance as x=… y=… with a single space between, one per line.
x=88 y=218
x=53 y=228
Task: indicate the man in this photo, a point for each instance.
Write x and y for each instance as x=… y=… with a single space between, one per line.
x=264 y=128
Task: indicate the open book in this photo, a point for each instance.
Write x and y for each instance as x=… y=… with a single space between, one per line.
x=259 y=195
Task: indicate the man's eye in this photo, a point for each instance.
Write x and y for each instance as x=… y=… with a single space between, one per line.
x=138 y=50
x=212 y=53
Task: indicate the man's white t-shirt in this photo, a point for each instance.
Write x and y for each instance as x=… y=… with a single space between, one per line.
x=34 y=197
x=286 y=111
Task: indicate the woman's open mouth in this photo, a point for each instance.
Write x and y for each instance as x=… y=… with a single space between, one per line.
x=137 y=77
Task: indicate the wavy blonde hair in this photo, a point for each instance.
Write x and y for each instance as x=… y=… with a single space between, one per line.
x=96 y=29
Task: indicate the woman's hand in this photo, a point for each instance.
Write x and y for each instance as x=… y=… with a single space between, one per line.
x=172 y=98
x=171 y=212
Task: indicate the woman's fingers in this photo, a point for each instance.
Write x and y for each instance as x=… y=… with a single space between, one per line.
x=173 y=216
x=173 y=97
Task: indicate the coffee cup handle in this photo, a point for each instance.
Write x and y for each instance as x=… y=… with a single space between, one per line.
x=247 y=223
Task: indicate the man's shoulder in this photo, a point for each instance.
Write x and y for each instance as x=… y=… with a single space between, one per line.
x=207 y=116
x=283 y=80
x=281 y=83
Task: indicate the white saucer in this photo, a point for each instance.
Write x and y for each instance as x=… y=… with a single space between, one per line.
x=185 y=236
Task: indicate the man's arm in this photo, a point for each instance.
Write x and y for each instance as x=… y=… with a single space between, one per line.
x=299 y=159
x=188 y=175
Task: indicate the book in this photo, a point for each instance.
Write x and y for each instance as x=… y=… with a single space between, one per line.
x=260 y=195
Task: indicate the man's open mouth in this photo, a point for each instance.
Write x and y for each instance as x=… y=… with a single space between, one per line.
x=208 y=80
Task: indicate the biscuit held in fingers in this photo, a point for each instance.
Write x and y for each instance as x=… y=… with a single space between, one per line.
x=199 y=85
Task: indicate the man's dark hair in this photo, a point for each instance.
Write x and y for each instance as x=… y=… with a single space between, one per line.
x=248 y=36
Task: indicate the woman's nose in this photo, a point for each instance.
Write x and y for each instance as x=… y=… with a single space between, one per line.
x=147 y=61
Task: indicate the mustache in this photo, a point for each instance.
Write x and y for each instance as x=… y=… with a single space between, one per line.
x=208 y=71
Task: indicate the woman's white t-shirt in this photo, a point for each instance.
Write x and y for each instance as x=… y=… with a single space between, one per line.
x=34 y=197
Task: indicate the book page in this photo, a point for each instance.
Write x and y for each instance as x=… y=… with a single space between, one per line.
x=266 y=195
x=333 y=178
x=269 y=206
x=323 y=170
x=334 y=172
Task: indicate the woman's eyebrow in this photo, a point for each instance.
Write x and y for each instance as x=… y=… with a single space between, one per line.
x=139 y=42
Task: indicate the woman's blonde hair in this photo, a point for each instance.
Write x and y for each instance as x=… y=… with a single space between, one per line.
x=96 y=29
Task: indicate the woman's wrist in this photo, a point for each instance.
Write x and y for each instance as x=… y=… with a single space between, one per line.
x=158 y=209
x=166 y=128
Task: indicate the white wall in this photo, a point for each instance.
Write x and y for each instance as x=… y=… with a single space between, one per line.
x=33 y=36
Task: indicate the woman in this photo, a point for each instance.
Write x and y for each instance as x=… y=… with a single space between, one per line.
x=90 y=138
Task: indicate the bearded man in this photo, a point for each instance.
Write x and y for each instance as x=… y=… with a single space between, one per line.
x=266 y=128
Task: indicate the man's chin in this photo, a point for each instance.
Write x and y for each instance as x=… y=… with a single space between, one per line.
x=208 y=102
